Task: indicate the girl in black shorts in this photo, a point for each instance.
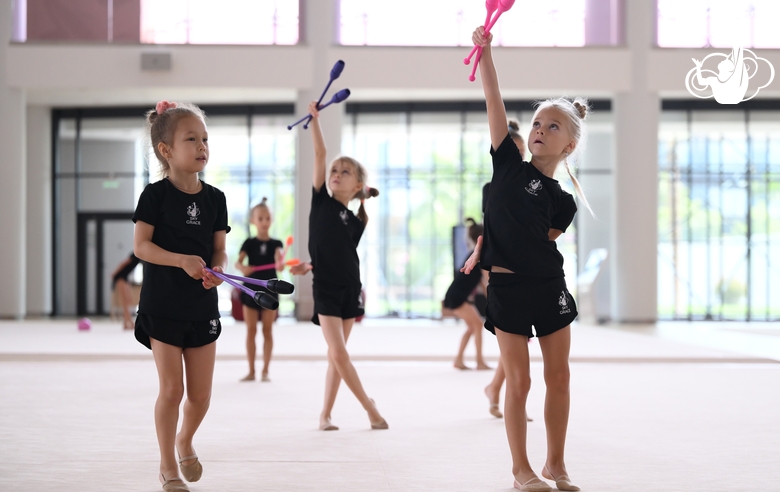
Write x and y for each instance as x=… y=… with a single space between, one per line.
x=181 y=225
x=456 y=299
x=259 y=250
x=334 y=233
x=527 y=294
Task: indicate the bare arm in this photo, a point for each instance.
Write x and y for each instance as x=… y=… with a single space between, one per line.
x=320 y=151
x=554 y=234
x=244 y=269
x=495 y=104
x=219 y=260
x=471 y=263
x=146 y=250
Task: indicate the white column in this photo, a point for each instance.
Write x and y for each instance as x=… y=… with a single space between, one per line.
x=39 y=214
x=12 y=184
x=319 y=21
x=635 y=239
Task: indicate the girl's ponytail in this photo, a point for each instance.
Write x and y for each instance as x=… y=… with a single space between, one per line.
x=362 y=195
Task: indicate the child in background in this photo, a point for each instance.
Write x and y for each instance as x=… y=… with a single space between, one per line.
x=334 y=233
x=259 y=250
x=181 y=225
x=456 y=299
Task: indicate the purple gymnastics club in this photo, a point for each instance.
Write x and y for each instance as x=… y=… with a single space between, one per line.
x=337 y=98
x=499 y=6
x=261 y=298
x=335 y=73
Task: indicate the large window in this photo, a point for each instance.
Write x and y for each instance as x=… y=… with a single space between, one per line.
x=719 y=215
x=244 y=22
x=451 y=22
x=718 y=23
x=429 y=162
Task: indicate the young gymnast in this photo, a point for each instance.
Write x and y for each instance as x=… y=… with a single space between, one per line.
x=334 y=233
x=120 y=284
x=259 y=250
x=526 y=212
x=181 y=225
x=456 y=299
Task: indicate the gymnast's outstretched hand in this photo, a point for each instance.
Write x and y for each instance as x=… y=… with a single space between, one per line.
x=473 y=260
x=301 y=268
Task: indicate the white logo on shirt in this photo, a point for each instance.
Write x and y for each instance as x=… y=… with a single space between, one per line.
x=193 y=212
x=563 y=301
x=263 y=248
x=534 y=187
x=213 y=323
x=344 y=216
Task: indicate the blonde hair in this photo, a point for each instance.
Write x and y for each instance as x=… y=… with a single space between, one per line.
x=365 y=191
x=577 y=111
x=162 y=126
x=263 y=204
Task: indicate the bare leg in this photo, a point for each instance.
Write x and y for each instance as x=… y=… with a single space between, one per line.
x=123 y=288
x=555 y=351
x=199 y=367
x=332 y=383
x=515 y=360
x=459 y=364
x=250 y=317
x=168 y=360
x=468 y=313
x=493 y=390
x=268 y=318
x=333 y=329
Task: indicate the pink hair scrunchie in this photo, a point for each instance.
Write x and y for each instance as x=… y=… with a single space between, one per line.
x=164 y=106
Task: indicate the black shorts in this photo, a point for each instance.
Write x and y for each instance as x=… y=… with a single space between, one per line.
x=516 y=303
x=184 y=334
x=250 y=302
x=341 y=301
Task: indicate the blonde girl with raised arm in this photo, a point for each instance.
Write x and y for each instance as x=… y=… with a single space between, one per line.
x=527 y=295
x=334 y=233
x=181 y=224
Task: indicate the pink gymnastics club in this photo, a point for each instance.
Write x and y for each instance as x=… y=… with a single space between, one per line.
x=271 y=266
x=503 y=6
x=490 y=6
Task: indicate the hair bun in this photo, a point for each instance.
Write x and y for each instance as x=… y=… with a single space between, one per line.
x=263 y=201
x=372 y=192
x=581 y=109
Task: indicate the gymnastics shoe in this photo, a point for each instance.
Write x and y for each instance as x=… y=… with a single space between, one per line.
x=563 y=482
x=535 y=485
x=191 y=472
x=173 y=485
x=326 y=425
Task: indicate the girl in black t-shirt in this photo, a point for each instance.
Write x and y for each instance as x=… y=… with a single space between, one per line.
x=334 y=233
x=527 y=295
x=180 y=229
x=259 y=250
x=120 y=285
x=456 y=299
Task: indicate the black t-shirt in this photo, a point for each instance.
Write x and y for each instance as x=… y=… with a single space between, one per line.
x=128 y=269
x=260 y=252
x=334 y=233
x=183 y=223
x=522 y=206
